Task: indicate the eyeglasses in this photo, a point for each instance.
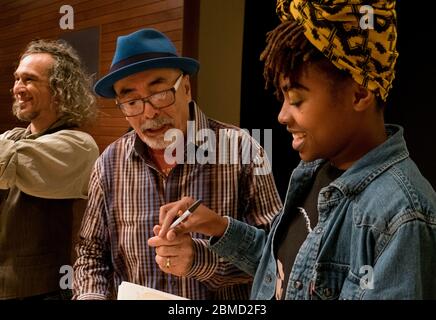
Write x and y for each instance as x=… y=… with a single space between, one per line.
x=157 y=100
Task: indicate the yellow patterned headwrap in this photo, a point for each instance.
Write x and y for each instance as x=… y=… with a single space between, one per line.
x=334 y=28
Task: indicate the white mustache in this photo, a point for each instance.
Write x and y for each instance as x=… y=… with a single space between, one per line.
x=156 y=123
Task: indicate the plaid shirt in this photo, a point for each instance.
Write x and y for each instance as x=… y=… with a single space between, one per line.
x=126 y=192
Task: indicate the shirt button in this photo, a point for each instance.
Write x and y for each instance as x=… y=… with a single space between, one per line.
x=298 y=285
x=318 y=230
x=173 y=283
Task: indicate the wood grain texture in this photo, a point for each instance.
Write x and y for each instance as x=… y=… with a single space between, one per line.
x=24 y=20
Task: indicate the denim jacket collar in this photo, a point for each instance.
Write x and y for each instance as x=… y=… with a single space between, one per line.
x=374 y=163
x=359 y=175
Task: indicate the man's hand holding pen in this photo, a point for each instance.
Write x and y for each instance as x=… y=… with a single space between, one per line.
x=175 y=256
x=174 y=246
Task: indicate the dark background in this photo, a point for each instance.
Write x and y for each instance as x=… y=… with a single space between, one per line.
x=411 y=103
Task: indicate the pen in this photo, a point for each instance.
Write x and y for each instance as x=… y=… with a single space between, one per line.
x=186 y=214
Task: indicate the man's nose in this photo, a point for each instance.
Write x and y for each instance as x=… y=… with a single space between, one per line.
x=150 y=112
x=19 y=87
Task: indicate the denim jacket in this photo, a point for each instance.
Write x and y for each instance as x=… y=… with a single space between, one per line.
x=375 y=238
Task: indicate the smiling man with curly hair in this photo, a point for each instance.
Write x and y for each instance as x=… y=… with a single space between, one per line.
x=43 y=168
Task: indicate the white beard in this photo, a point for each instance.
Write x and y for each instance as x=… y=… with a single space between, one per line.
x=156 y=143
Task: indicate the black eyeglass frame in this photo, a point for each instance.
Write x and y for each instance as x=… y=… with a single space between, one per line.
x=148 y=99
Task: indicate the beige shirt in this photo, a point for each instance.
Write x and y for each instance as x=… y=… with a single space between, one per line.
x=54 y=166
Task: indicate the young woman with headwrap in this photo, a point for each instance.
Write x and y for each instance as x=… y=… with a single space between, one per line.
x=359 y=220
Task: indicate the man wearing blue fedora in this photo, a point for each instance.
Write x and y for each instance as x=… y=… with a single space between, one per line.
x=133 y=178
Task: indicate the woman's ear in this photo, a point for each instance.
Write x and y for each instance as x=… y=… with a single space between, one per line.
x=363 y=98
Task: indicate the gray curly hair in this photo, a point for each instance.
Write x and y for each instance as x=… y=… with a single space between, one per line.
x=69 y=83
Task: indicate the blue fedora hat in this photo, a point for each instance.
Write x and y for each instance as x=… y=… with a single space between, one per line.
x=142 y=50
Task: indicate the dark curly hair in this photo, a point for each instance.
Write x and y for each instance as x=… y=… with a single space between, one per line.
x=287 y=51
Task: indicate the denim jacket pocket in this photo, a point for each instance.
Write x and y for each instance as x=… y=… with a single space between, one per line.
x=329 y=280
x=352 y=288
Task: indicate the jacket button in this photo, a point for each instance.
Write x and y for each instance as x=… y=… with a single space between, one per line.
x=327 y=292
x=298 y=285
x=327 y=195
x=318 y=230
x=268 y=278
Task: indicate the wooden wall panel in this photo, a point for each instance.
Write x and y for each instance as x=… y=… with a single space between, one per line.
x=24 y=20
